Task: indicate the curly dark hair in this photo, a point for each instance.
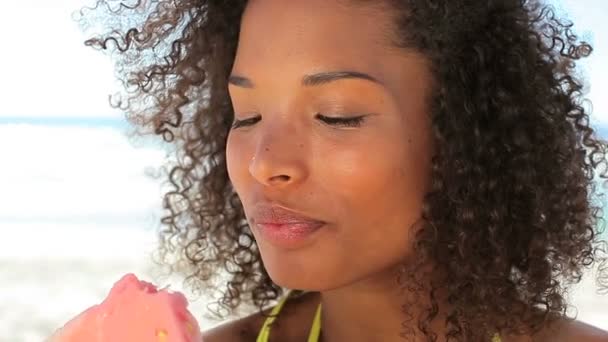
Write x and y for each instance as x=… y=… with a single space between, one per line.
x=510 y=218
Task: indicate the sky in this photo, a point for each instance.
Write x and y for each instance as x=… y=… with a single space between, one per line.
x=54 y=93
x=49 y=73
x=47 y=70
x=55 y=108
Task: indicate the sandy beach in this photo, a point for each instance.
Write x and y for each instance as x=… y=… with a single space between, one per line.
x=44 y=287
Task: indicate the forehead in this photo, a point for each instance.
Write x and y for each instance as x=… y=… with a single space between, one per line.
x=312 y=33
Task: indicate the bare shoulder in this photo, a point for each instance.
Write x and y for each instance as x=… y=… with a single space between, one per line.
x=242 y=329
x=565 y=330
x=580 y=331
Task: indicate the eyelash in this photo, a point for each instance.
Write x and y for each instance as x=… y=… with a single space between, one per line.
x=334 y=121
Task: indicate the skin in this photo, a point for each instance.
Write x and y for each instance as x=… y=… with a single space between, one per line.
x=367 y=182
x=372 y=190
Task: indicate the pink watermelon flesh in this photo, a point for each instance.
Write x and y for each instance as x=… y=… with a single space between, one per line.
x=134 y=311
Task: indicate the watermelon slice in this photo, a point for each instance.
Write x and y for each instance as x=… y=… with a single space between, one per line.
x=134 y=311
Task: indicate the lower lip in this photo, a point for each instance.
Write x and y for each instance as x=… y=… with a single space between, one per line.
x=290 y=235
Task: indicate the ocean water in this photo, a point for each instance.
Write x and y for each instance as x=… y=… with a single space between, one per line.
x=77 y=212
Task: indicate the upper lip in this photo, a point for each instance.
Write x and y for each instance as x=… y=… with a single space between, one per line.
x=272 y=213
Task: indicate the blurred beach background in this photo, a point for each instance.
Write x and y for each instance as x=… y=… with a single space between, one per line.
x=78 y=204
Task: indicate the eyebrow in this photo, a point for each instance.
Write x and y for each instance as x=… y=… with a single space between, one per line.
x=310 y=80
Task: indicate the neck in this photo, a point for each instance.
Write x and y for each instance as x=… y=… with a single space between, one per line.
x=373 y=310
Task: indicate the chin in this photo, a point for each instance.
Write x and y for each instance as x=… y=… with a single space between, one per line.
x=293 y=278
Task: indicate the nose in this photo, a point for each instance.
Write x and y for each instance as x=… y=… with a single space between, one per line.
x=279 y=160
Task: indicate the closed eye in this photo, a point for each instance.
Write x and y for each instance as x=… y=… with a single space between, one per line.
x=354 y=121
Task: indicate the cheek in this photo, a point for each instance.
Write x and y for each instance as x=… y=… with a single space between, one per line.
x=236 y=159
x=369 y=175
x=377 y=189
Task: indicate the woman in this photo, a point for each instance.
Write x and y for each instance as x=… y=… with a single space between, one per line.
x=388 y=170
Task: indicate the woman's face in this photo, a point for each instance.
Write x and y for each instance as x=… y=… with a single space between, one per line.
x=366 y=182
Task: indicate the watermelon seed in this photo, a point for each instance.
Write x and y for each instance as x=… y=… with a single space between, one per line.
x=161 y=335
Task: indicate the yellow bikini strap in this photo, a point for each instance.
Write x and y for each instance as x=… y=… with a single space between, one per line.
x=265 y=331
x=315 y=330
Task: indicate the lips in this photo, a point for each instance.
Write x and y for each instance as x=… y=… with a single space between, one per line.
x=273 y=214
